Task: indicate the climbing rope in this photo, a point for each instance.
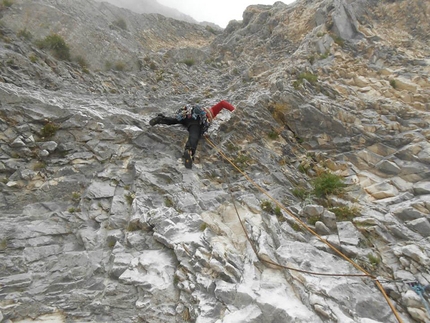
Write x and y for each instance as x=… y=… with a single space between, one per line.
x=365 y=273
x=419 y=289
x=277 y=264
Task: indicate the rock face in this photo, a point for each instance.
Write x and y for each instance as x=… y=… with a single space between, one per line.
x=102 y=34
x=101 y=222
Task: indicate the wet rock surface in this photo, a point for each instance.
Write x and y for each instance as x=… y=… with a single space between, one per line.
x=101 y=222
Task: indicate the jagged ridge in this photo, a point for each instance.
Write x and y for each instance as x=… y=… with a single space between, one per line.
x=102 y=222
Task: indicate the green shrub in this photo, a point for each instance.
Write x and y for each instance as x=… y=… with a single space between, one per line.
x=168 y=202
x=242 y=161
x=129 y=198
x=57 y=45
x=7 y=3
x=278 y=213
x=311 y=78
x=120 y=23
x=280 y=218
x=231 y=147
x=32 y=58
x=83 y=64
x=393 y=84
x=189 y=62
x=373 y=259
x=39 y=166
x=338 y=40
x=3 y=244
x=327 y=183
x=133 y=226
x=211 y=30
x=296 y=227
x=325 y=55
x=273 y=135
x=159 y=76
x=25 y=34
x=345 y=213
x=108 y=65
x=267 y=206
x=49 y=130
x=111 y=242
x=303 y=168
x=300 y=192
x=76 y=196
x=119 y=66
x=313 y=219
x=81 y=61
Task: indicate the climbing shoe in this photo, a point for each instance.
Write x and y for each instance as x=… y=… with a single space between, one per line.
x=156 y=120
x=188 y=159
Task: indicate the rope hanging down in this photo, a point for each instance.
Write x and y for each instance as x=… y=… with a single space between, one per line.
x=419 y=289
x=365 y=273
x=277 y=264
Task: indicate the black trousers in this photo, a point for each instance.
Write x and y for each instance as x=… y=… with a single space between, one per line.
x=194 y=131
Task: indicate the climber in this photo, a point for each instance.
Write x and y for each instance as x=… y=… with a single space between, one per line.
x=197 y=121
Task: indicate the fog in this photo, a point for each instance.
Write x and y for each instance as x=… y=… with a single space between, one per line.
x=219 y=12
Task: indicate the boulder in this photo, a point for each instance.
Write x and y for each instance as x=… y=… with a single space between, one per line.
x=382 y=190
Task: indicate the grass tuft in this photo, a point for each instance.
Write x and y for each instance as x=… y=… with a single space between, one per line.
x=57 y=45
x=328 y=183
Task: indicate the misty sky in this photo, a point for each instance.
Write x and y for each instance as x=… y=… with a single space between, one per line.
x=216 y=11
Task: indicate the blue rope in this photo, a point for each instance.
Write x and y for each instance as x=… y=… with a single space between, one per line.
x=419 y=289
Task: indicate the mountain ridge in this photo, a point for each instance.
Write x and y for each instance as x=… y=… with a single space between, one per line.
x=152 y=6
x=102 y=222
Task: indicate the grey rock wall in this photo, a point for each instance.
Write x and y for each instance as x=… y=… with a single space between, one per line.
x=101 y=222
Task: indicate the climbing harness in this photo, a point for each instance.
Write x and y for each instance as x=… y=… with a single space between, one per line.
x=365 y=273
x=196 y=113
x=184 y=113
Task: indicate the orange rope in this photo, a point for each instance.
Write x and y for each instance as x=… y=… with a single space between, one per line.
x=378 y=284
